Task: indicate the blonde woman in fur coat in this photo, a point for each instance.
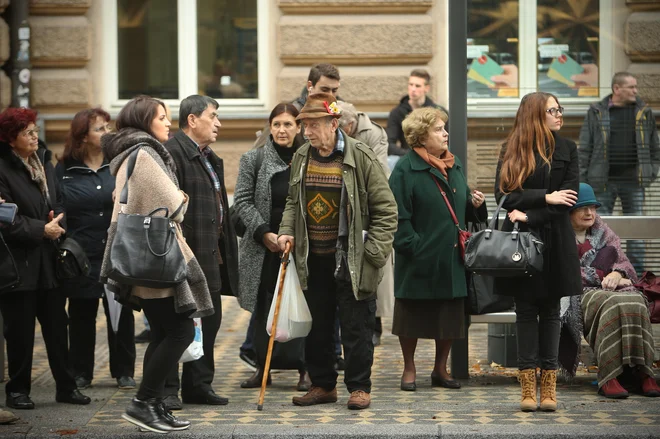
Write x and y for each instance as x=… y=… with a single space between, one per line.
x=143 y=125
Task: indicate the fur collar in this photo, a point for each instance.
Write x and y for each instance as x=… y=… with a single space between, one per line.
x=117 y=146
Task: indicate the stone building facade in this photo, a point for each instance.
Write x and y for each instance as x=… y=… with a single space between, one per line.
x=375 y=43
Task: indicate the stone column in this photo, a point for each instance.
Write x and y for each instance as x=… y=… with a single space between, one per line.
x=61 y=49
x=642 y=43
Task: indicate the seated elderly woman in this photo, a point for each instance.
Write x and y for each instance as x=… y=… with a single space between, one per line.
x=614 y=315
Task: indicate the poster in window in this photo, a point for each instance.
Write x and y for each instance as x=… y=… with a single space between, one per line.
x=568 y=47
x=492 y=49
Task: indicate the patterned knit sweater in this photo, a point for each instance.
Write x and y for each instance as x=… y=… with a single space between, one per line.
x=323 y=184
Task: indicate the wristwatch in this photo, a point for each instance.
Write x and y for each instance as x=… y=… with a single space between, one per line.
x=526 y=218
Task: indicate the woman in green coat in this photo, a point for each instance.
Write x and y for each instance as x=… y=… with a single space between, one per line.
x=429 y=275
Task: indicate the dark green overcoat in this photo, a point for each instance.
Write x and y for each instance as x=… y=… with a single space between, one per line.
x=427 y=259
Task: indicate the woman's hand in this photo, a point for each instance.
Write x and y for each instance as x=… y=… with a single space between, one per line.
x=270 y=241
x=516 y=215
x=52 y=229
x=611 y=281
x=566 y=197
x=478 y=198
x=624 y=282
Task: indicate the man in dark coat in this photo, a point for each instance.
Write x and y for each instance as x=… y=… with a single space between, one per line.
x=208 y=232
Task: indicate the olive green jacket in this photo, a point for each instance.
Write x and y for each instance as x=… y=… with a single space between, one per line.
x=372 y=209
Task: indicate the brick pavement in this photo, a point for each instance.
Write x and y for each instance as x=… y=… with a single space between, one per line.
x=488 y=399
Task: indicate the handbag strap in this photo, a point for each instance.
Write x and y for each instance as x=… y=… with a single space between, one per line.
x=496 y=215
x=444 y=195
x=123 y=197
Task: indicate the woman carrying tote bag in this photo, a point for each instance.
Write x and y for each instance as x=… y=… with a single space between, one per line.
x=538 y=170
x=142 y=126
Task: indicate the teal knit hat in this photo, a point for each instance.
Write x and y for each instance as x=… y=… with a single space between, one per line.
x=586 y=197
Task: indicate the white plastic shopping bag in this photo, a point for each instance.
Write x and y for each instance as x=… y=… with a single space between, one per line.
x=195 y=350
x=294 y=320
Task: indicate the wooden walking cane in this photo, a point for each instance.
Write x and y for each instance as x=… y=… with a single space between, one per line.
x=273 y=329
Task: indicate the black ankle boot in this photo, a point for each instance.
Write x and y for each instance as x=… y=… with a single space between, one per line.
x=171 y=420
x=145 y=415
x=255 y=380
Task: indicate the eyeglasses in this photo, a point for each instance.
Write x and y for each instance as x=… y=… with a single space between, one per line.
x=553 y=111
x=102 y=129
x=34 y=132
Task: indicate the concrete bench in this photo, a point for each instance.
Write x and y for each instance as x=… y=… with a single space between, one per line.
x=641 y=227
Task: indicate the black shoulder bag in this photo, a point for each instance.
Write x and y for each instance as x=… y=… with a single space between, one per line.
x=71 y=260
x=145 y=251
x=9 y=277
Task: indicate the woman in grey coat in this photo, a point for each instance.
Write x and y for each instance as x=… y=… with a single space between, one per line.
x=259 y=199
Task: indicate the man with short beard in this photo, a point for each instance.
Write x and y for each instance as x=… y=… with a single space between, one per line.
x=619 y=153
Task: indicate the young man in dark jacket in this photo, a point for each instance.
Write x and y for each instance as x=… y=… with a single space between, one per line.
x=208 y=232
x=418 y=88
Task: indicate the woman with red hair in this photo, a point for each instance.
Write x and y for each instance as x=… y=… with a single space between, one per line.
x=538 y=173
x=26 y=179
x=86 y=185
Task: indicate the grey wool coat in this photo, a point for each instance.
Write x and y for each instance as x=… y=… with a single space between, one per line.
x=252 y=201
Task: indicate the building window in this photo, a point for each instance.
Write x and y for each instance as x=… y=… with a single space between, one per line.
x=516 y=47
x=227 y=48
x=171 y=49
x=568 y=47
x=147 y=48
x=492 y=49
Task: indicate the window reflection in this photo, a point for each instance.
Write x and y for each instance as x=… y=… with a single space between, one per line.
x=568 y=47
x=227 y=48
x=147 y=48
x=492 y=48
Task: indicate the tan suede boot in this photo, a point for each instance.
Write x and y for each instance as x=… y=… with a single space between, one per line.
x=527 y=378
x=548 y=390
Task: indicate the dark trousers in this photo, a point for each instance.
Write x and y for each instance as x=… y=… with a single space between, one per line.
x=537 y=328
x=357 y=321
x=82 y=338
x=197 y=375
x=19 y=311
x=171 y=334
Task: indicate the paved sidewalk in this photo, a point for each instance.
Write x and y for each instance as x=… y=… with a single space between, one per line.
x=486 y=406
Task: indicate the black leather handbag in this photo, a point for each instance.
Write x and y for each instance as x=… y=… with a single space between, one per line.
x=145 y=251
x=492 y=252
x=482 y=296
x=9 y=277
x=71 y=260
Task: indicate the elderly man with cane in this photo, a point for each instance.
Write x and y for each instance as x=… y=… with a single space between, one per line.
x=340 y=219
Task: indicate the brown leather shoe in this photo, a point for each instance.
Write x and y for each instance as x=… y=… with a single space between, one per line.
x=304 y=383
x=359 y=400
x=316 y=395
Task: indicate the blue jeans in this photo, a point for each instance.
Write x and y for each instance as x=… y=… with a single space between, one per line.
x=632 y=203
x=248 y=345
